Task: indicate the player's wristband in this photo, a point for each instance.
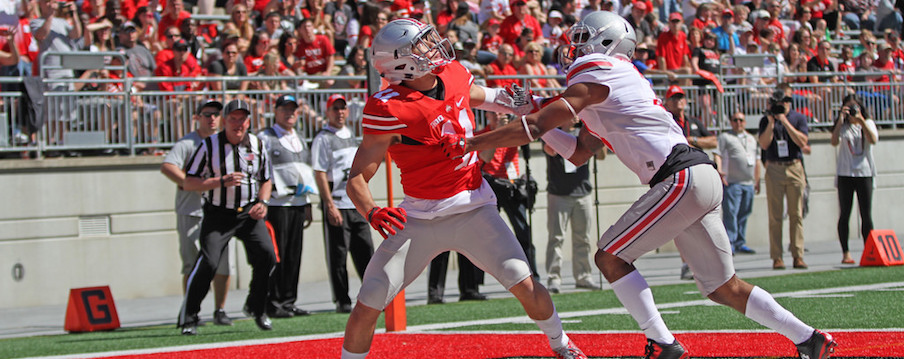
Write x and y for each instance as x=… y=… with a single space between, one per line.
x=526 y=128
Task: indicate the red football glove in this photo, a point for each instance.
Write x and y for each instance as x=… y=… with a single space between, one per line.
x=384 y=218
x=453 y=145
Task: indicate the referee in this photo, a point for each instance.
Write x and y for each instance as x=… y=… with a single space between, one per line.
x=233 y=171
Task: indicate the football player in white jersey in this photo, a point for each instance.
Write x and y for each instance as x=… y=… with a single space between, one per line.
x=620 y=110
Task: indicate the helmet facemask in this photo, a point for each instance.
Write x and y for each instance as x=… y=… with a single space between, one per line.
x=429 y=50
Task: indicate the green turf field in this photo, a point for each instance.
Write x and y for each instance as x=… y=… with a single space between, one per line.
x=584 y=311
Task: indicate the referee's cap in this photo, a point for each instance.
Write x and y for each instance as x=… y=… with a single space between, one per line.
x=210 y=103
x=236 y=105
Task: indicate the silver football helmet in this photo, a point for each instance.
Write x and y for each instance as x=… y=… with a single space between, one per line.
x=406 y=49
x=601 y=32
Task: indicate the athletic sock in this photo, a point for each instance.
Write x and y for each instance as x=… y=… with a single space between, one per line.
x=634 y=293
x=552 y=327
x=349 y=355
x=763 y=309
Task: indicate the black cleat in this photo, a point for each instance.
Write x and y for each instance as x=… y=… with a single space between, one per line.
x=220 y=318
x=821 y=345
x=296 y=311
x=190 y=327
x=655 y=350
x=263 y=322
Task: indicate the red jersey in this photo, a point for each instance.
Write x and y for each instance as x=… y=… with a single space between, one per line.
x=511 y=28
x=168 y=69
x=256 y=63
x=166 y=22
x=167 y=54
x=673 y=47
x=507 y=70
x=491 y=43
x=503 y=159
x=426 y=172
x=315 y=54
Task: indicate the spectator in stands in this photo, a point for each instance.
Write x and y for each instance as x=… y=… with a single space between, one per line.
x=356 y=65
x=703 y=16
x=859 y=14
x=239 y=17
x=257 y=48
x=271 y=25
x=768 y=19
x=502 y=66
x=589 y=7
x=466 y=54
x=706 y=59
x=635 y=18
x=797 y=63
x=887 y=17
x=229 y=65
x=694 y=38
x=343 y=19
x=806 y=44
x=140 y=60
x=197 y=43
x=272 y=68
x=290 y=14
x=553 y=29
x=372 y=19
x=178 y=67
x=446 y=16
x=286 y=48
x=892 y=38
x=802 y=18
x=672 y=52
x=867 y=44
x=173 y=15
x=146 y=24
x=520 y=46
x=782 y=134
x=314 y=10
x=847 y=62
x=316 y=52
x=492 y=41
x=739 y=19
x=493 y=9
x=58 y=29
x=652 y=28
x=822 y=63
x=24 y=41
x=172 y=35
x=463 y=23
x=726 y=36
x=885 y=63
x=513 y=26
x=101 y=35
x=533 y=65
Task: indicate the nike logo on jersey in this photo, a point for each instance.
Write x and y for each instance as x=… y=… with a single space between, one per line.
x=458 y=103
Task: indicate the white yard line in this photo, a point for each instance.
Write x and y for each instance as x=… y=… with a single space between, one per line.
x=432 y=328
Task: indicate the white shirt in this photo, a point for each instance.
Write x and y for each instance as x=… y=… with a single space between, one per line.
x=631 y=121
x=855 y=153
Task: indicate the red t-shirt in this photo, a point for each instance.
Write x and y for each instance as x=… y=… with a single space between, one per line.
x=511 y=28
x=168 y=69
x=315 y=54
x=673 y=47
x=166 y=22
x=701 y=24
x=491 y=43
x=167 y=54
x=502 y=159
x=504 y=71
x=425 y=172
x=256 y=63
x=129 y=8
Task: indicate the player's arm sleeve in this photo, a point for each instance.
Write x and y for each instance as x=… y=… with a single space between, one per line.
x=378 y=120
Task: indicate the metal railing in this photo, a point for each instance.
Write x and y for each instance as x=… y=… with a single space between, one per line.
x=115 y=115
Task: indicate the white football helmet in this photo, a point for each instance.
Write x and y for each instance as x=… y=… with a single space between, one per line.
x=601 y=32
x=406 y=49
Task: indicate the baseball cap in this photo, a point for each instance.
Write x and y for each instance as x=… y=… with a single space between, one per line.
x=513 y=2
x=210 y=103
x=673 y=91
x=333 y=99
x=675 y=16
x=180 y=44
x=640 y=5
x=236 y=105
x=128 y=25
x=762 y=14
x=492 y=22
x=555 y=14
x=457 y=46
x=727 y=12
x=286 y=100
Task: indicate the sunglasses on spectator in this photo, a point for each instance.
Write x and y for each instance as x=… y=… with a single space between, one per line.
x=519 y=4
x=172 y=36
x=232 y=52
x=737 y=120
x=339 y=108
x=210 y=114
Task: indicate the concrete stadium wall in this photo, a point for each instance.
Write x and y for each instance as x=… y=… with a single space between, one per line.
x=80 y=222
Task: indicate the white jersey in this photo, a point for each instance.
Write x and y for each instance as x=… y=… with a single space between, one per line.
x=631 y=121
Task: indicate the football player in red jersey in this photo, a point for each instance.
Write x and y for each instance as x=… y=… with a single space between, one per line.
x=447 y=205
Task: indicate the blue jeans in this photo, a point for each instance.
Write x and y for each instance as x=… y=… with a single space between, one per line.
x=737 y=203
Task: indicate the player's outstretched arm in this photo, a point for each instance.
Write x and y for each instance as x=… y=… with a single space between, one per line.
x=528 y=128
x=367 y=161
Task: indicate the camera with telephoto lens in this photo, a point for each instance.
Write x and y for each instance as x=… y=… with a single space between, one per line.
x=776 y=102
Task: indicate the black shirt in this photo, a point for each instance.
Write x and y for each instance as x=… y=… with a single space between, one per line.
x=779 y=133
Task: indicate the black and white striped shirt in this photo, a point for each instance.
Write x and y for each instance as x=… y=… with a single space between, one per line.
x=216 y=157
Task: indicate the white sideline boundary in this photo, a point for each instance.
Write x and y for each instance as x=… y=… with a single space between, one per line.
x=440 y=328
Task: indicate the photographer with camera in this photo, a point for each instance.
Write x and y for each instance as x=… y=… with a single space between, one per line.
x=782 y=134
x=854 y=134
